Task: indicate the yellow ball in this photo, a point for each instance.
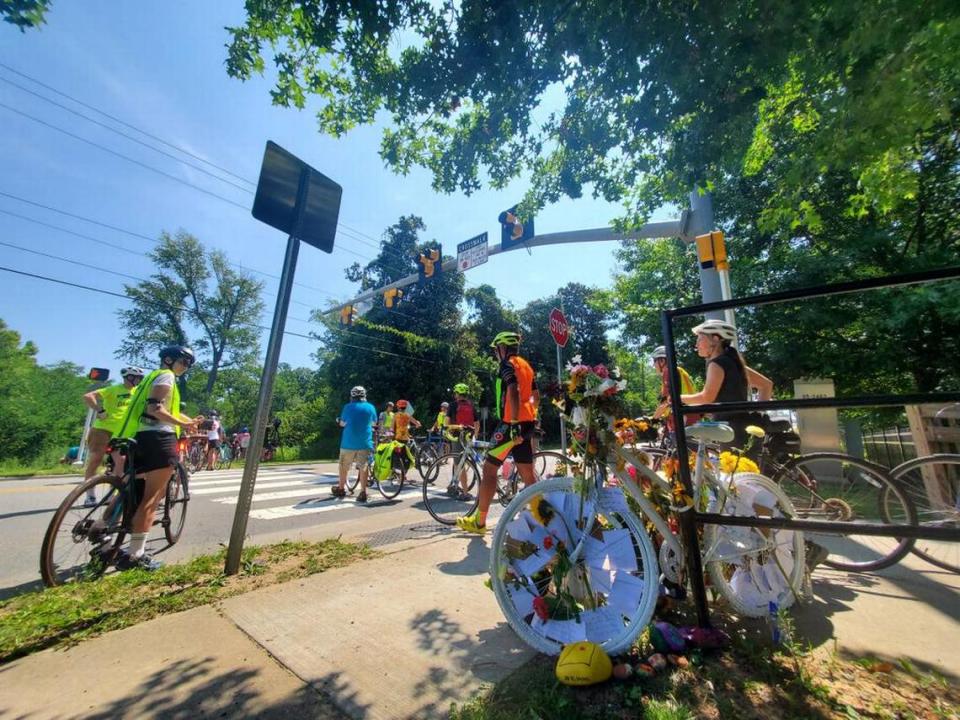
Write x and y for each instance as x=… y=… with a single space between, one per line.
x=583 y=663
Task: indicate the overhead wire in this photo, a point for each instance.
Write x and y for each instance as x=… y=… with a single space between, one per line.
x=193 y=312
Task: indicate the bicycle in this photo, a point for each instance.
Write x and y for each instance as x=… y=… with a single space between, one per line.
x=580 y=551
x=225 y=458
x=82 y=542
x=196 y=458
x=454 y=479
x=390 y=486
x=842 y=488
x=426 y=450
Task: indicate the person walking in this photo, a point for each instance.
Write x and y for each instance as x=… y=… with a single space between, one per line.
x=356 y=441
x=517 y=399
x=110 y=405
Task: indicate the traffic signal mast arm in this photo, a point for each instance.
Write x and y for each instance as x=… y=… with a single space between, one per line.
x=666 y=229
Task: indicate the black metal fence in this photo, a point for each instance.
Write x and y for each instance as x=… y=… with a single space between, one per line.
x=690 y=520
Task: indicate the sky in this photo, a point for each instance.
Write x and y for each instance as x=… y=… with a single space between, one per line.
x=160 y=67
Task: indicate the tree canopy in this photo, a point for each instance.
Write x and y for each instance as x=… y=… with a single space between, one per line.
x=642 y=102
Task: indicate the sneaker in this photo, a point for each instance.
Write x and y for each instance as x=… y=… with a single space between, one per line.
x=144 y=562
x=90 y=501
x=470 y=524
x=816 y=554
x=452 y=491
x=362 y=497
x=463 y=496
x=338 y=492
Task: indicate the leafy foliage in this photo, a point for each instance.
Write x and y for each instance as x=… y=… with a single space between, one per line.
x=24 y=13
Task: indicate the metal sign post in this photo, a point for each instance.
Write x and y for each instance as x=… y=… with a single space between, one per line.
x=561 y=334
x=293 y=197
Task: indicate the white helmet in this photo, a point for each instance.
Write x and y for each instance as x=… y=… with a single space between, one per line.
x=358 y=392
x=720 y=328
x=132 y=370
x=659 y=351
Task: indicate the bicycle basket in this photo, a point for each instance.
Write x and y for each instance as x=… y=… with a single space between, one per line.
x=382 y=461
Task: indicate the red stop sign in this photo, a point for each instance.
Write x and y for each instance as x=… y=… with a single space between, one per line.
x=558 y=328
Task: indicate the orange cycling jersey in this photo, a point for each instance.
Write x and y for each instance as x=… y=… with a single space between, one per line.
x=517 y=370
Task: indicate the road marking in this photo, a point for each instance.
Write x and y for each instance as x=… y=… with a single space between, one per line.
x=286 y=494
x=235 y=486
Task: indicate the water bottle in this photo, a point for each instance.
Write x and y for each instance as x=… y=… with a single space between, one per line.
x=773 y=620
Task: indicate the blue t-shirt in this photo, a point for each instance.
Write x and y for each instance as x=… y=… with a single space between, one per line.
x=358 y=434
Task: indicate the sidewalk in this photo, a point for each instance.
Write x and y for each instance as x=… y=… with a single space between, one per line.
x=404 y=636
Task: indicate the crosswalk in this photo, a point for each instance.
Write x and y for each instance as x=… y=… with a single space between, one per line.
x=280 y=492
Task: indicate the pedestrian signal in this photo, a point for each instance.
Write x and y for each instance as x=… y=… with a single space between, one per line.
x=98 y=374
x=431 y=263
x=514 y=230
x=392 y=297
x=712 y=251
x=346 y=315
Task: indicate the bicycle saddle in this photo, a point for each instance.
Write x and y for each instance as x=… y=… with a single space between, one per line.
x=714 y=432
x=124 y=445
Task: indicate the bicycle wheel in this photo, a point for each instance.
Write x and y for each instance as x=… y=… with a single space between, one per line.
x=567 y=569
x=197 y=457
x=81 y=542
x=353 y=478
x=225 y=459
x=550 y=464
x=752 y=567
x=933 y=485
x=426 y=456
x=838 y=487
x=391 y=486
x=175 y=504
x=455 y=489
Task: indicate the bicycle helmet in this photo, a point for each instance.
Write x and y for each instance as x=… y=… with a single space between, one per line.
x=444 y=404
x=507 y=337
x=177 y=352
x=720 y=328
x=659 y=352
x=132 y=370
x=358 y=392
x=461 y=389
x=401 y=404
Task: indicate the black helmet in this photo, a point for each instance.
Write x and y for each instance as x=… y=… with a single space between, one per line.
x=177 y=352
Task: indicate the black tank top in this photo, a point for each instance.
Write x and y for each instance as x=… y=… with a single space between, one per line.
x=734 y=386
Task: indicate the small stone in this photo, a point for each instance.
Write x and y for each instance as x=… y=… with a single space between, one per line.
x=678 y=660
x=622 y=671
x=657 y=661
x=643 y=670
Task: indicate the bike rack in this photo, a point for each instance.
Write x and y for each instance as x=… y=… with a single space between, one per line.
x=689 y=521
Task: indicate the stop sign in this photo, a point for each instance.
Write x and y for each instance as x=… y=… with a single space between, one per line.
x=558 y=328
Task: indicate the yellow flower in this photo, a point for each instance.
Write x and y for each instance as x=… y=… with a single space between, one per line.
x=541 y=511
x=731 y=463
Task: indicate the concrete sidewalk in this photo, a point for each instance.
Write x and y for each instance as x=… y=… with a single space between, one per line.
x=403 y=636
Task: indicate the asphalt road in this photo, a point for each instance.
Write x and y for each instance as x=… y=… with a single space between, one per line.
x=290 y=502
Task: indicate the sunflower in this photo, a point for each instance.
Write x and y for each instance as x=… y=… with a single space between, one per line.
x=541 y=510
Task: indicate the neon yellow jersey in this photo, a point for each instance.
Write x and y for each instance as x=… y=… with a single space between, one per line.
x=687 y=387
x=441 y=421
x=115 y=399
x=136 y=406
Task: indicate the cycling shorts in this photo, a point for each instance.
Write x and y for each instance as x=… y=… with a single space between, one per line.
x=155 y=450
x=513 y=440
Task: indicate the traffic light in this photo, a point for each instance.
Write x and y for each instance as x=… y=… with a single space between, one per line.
x=346 y=315
x=712 y=251
x=98 y=374
x=514 y=231
x=392 y=297
x=431 y=263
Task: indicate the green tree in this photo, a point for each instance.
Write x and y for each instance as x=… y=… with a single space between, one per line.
x=180 y=297
x=641 y=102
x=24 y=13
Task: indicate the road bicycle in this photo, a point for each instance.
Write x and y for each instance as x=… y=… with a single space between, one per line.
x=572 y=560
x=841 y=488
x=426 y=450
x=83 y=542
x=225 y=458
x=196 y=458
x=390 y=486
x=451 y=487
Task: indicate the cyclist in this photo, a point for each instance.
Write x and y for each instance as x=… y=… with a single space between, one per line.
x=463 y=416
x=215 y=436
x=659 y=359
x=440 y=426
x=154 y=420
x=729 y=378
x=110 y=405
x=243 y=439
x=402 y=420
x=385 y=422
x=356 y=442
x=517 y=399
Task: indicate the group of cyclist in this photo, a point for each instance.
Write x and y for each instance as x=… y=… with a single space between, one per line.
x=147 y=408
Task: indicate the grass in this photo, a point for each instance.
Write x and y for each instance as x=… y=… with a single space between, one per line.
x=750 y=680
x=14 y=468
x=67 y=614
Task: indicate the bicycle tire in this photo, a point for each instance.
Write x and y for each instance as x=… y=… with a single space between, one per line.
x=438 y=497
x=175 y=504
x=426 y=455
x=512 y=583
x=839 y=487
x=80 y=532
x=391 y=486
x=353 y=478
x=752 y=567
x=943 y=510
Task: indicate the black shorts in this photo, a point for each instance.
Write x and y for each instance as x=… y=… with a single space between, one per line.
x=213 y=444
x=155 y=450
x=501 y=444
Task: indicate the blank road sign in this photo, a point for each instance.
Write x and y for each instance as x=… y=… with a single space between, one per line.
x=309 y=211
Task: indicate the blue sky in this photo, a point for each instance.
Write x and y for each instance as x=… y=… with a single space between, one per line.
x=159 y=66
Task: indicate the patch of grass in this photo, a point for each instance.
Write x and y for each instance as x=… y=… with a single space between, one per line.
x=14 y=469
x=70 y=613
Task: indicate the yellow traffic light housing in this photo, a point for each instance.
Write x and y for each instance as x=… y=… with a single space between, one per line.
x=712 y=251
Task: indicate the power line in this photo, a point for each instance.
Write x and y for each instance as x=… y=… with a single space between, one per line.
x=125 y=124
x=193 y=312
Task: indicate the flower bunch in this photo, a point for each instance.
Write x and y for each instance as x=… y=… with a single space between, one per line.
x=592 y=381
x=731 y=463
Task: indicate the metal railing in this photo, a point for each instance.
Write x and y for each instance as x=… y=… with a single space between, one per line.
x=689 y=521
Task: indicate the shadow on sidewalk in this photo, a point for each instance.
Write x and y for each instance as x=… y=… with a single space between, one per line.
x=189 y=689
x=475 y=562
